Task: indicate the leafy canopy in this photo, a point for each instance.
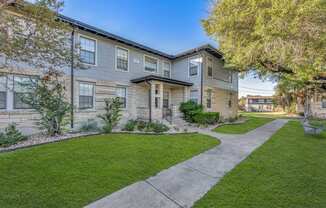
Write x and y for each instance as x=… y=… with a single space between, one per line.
x=271 y=36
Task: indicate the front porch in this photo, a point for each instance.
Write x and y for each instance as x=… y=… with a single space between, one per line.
x=164 y=97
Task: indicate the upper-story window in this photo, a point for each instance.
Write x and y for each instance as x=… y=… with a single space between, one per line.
x=87 y=50
x=209 y=68
x=167 y=69
x=86 y=95
x=151 y=64
x=3 y=92
x=194 y=64
x=22 y=86
x=122 y=57
x=323 y=102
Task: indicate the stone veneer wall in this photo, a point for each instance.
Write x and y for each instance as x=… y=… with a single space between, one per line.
x=220 y=102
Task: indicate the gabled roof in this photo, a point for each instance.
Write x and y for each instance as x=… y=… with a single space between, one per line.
x=162 y=79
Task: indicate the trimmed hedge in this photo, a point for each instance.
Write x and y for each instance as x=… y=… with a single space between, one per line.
x=193 y=113
x=207 y=118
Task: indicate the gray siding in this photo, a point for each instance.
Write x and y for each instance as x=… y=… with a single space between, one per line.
x=106 y=67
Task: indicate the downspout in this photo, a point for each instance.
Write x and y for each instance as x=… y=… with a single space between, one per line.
x=150 y=101
x=72 y=79
x=201 y=79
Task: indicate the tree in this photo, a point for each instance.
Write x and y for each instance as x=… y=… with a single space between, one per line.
x=47 y=97
x=112 y=114
x=34 y=35
x=286 y=39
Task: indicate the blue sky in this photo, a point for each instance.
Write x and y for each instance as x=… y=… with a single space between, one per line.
x=167 y=25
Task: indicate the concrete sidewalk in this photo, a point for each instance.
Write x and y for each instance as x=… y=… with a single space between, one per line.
x=185 y=183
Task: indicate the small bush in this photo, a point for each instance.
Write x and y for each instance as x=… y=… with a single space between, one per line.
x=141 y=125
x=156 y=127
x=89 y=125
x=130 y=125
x=112 y=114
x=11 y=136
x=206 y=118
x=190 y=109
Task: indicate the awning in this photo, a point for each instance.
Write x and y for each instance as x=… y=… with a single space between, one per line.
x=162 y=79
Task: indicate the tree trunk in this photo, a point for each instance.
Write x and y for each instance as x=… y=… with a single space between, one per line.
x=307 y=105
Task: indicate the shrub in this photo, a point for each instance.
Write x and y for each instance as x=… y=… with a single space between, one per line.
x=190 y=109
x=11 y=136
x=130 y=125
x=141 y=125
x=206 y=118
x=156 y=127
x=112 y=114
x=89 y=125
x=47 y=97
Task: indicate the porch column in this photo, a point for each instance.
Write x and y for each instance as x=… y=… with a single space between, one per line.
x=186 y=93
x=156 y=100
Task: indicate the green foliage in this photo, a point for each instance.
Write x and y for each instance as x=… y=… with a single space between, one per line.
x=112 y=114
x=11 y=136
x=89 y=125
x=271 y=36
x=141 y=125
x=47 y=97
x=190 y=109
x=130 y=125
x=206 y=118
x=156 y=127
x=36 y=36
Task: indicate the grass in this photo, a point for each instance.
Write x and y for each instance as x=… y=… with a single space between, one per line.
x=76 y=172
x=286 y=172
x=250 y=124
x=274 y=115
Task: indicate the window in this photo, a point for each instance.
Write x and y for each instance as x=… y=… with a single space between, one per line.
x=3 y=92
x=157 y=102
x=122 y=95
x=209 y=99
x=323 y=102
x=150 y=64
x=230 y=100
x=194 y=95
x=86 y=95
x=87 y=50
x=194 y=66
x=166 y=70
x=122 y=59
x=166 y=99
x=209 y=67
x=22 y=86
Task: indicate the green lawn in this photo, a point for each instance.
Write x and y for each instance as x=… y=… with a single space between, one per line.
x=286 y=172
x=274 y=115
x=251 y=124
x=76 y=172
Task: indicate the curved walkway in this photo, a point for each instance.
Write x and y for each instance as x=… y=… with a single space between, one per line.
x=185 y=183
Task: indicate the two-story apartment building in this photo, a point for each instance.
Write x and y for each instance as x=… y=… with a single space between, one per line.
x=151 y=83
x=258 y=103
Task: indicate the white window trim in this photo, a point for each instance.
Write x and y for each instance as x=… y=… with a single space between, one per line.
x=199 y=67
x=94 y=96
x=7 y=94
x=170 y=68
x=158 y=64
x=126 y=87
x=91 y=38
x=116 y=58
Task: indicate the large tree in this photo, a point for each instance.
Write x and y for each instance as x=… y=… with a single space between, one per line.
x=33 y=36
x=285 y=39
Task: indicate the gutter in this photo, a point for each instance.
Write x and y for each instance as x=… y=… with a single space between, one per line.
x=201 y=79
